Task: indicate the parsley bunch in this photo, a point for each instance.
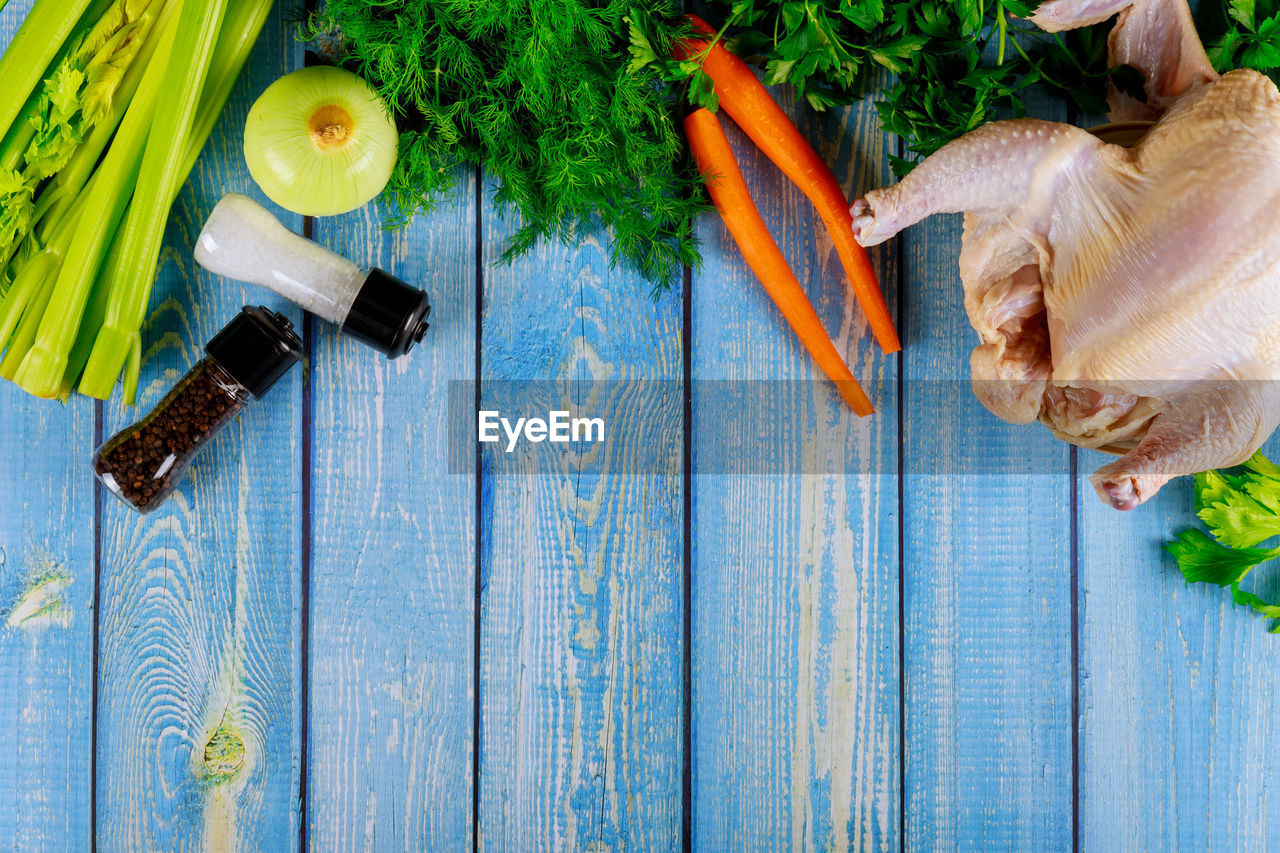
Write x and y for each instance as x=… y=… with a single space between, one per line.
x=1242 y=34
x=959 y=63
x=956 y=63
x=1241 y=509
x=544 y=96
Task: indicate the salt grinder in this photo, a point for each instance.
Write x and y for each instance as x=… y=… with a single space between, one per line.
x=242 y=240
x=144 y=463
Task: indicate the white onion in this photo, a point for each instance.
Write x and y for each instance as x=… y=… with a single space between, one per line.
x=320 y=142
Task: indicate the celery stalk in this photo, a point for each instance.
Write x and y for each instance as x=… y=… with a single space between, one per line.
x=38 y=271
x=240 y=30
x=61 y=192
x=34 y=46
x=20 y=343
x=161 y=177
x=93 y=314
x=43 y=265
x=244 y=22
x=132 y=368
x=19 y=135
x=106 y=196
x=13 y=303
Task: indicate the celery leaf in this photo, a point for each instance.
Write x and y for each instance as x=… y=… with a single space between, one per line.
x=16 y=208
x=1240 y=520
x=57 y=123
x=1241 y=508
x=1259 y=605
x=1204 y=560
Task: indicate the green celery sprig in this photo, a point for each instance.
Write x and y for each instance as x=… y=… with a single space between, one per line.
x=1241 y=509
x=26 y=106
x=38 y=41
x=59 y=196
x=44 y=357
x=160 y=178
x=57 y=131
x=17 y=209
x=73 y=104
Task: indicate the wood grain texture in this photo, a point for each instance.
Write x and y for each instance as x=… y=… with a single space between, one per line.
x=393 y=557
x=1179 y=717
x=199 y=720
x=795 y=572
x=46 y=622
x=47 y=577
x=986 y=589
x=795 y=606
x=581 y=607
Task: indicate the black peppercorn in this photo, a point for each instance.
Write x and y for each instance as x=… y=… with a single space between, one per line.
x=143 y=464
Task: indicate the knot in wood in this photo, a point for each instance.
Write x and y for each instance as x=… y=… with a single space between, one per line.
x=224 y=754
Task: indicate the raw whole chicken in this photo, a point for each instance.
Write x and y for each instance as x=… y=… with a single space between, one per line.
x=1127 y=298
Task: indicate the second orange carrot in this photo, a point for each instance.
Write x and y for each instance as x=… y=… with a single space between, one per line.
x=749 y=104
x=733 y=200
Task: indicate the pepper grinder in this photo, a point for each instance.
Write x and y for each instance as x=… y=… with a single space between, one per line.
x=144 y=463
x=242 y=240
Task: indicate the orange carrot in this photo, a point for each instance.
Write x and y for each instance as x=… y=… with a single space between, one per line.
x=729 y=192
x=748 y=103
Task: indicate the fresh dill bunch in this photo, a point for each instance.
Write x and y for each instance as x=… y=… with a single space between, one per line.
x=544 y=97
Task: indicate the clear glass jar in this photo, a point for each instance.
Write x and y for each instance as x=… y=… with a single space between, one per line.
x=145 y=462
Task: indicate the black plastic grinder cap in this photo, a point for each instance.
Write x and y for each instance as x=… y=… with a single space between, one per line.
x=388 y=314
x=256 y=348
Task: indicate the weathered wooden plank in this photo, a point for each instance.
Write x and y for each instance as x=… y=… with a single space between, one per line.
x=47 y=578
x=986 y=588
x=581 y=647
x=46 y=623
x=1177 y=690
x=393 y=558
x=795 y=561
x=199 y=720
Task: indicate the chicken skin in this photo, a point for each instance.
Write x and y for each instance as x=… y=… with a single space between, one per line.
x=1126 y=298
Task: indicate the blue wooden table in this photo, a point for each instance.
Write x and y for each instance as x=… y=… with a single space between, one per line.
x=329 y=640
